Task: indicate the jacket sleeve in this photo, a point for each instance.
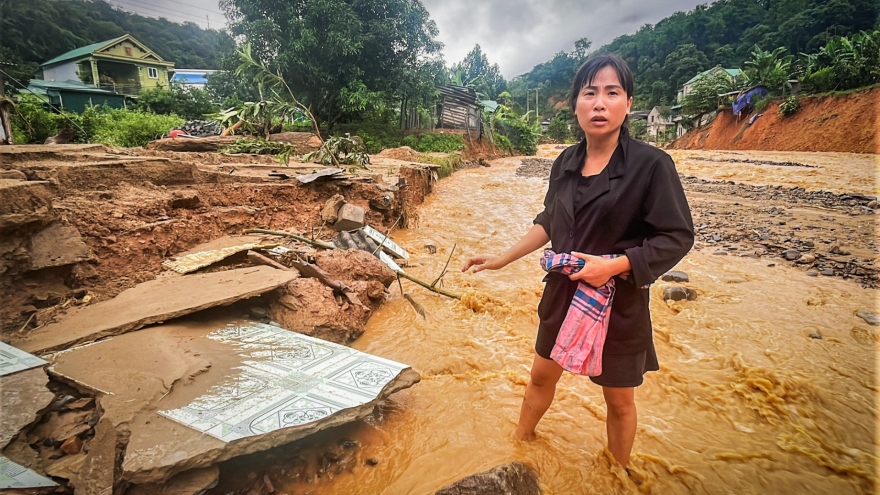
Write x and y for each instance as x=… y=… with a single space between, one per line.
x=671 y=228
x=545 y=218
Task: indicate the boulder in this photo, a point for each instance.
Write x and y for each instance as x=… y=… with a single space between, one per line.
x=351 y=217
x=330 y=211
x=869 y=317
x=679 y=293
x=791 y=254
x=507 y=479
x=675 y=276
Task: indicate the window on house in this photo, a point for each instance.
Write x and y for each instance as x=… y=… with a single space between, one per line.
x=152 y=73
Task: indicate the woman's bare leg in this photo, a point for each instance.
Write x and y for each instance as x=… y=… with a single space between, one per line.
x=621 y=423
x=539 y=395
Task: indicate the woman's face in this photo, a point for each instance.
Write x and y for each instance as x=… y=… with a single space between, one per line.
x=602 y=105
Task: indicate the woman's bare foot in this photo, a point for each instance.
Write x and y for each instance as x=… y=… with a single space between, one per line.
x=524 y=437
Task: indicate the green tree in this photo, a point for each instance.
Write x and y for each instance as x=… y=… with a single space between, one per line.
x=339 y=56
x=703 y=96
x=684 y=63
x=559 y=129
x=770 y=69
x=230 y=90
x=189 y=103
x=474 y=70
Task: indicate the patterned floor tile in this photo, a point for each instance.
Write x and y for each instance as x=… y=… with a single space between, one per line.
x=288 y=379
x=12 y=360
x=13 y=475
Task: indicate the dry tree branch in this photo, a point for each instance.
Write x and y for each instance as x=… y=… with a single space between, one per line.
x=446 y=265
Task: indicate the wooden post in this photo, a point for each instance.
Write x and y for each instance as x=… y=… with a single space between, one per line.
x=5 y=123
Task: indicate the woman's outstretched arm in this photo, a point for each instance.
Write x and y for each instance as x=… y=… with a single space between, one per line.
x=534 y=239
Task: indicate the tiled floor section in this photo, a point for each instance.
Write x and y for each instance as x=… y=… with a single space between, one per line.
x=12 y=360
x=288 y=379
x=13 y=475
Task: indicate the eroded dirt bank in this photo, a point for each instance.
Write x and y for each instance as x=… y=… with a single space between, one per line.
x=845 y=123
x=134 y=212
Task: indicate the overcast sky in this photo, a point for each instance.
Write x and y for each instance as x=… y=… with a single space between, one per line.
x=515 y=34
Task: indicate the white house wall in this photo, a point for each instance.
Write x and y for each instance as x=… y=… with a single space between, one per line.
x=61 y=72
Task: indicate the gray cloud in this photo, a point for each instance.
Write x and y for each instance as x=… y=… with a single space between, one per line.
x=519 y=34
x=515 y=34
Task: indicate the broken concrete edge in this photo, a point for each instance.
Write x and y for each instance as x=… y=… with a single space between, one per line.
x=43 y=343
x=32 y=382
x=250 y=445
x=95 y=338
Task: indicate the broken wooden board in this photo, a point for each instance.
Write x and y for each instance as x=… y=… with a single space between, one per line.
x=326 y=172
x=58 y=245
x=192 y=262
x=233 y=387
x=155 y=301
x=386 y=243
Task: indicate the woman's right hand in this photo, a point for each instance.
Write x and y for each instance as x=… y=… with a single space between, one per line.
x=483 y=262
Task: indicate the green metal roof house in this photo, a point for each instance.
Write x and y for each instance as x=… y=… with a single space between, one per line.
x=74 y=96
x=733 y=74
x=122 y=66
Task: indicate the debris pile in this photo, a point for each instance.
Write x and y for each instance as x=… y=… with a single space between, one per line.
x=168 y=330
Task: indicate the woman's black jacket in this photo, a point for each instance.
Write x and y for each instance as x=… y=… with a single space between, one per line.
x=635 y=206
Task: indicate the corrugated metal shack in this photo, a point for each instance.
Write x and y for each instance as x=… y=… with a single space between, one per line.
x=459 y=108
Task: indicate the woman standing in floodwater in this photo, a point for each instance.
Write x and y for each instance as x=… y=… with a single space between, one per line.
x=608 y=195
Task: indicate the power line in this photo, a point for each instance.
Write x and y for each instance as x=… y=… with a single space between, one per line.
x=160 y=11
x=154 y=11
x=200 y=8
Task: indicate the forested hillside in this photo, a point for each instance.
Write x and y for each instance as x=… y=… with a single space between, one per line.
x=34 y=31
x=665 y=55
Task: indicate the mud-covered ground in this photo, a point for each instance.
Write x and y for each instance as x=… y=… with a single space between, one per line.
x=822 y=232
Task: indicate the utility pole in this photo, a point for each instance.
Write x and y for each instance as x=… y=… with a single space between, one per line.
x=208 y=20
x=536 y=103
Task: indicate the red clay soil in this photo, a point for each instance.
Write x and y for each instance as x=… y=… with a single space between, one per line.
x=846 y=123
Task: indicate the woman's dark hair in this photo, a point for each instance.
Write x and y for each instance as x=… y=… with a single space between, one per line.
x=591 y=67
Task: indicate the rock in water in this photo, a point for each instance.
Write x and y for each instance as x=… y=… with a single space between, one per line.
x=507 y=479
x=807 y=258
x=871 y=318
x=679 y=293
x=675 y=276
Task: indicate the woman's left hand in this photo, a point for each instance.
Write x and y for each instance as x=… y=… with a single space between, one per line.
x=597 y=271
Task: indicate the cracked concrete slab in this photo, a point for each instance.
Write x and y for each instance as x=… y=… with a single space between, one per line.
x=233 y=387
x=23 y=397
x=158 y=300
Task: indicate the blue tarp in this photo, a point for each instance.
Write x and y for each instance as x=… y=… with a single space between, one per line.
x=748 y=98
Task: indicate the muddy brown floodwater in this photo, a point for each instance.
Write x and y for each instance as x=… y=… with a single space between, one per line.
x=745 y=401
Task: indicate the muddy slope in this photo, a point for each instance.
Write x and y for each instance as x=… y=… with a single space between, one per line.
x=846 y=123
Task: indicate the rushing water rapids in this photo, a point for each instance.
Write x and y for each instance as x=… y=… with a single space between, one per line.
x=745 y=401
